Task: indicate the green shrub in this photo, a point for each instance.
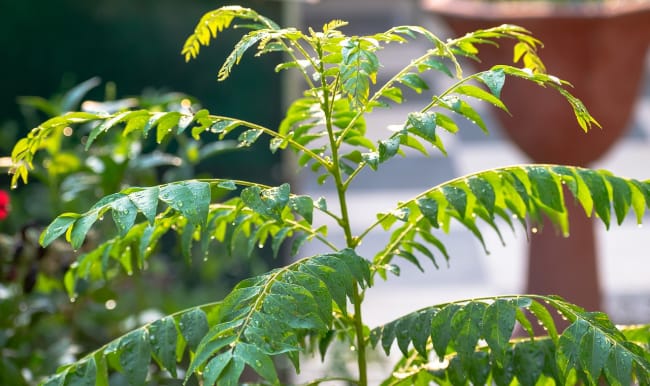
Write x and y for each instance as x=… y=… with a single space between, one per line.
x=306 y=305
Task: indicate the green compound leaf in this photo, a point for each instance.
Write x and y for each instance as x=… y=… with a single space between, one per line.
x=591 y=347
x=300 y=292
x=524 y=193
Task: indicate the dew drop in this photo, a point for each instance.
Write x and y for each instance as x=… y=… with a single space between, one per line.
x=533 y=229
x=205 y=258
x=14 y=186
x=352 y=348
x=73 y=299
x=110 y=304
x=258 y=363
x=514 y=216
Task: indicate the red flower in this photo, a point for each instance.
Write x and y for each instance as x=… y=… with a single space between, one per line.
x=5 y=200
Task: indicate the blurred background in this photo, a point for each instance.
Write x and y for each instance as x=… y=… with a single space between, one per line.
x=110 y=51
x=58 y=56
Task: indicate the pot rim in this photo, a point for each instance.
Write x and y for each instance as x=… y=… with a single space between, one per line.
x=533 y=9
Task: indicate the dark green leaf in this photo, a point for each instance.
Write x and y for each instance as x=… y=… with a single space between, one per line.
x=387 y=337
x=479 y=368
x=594 y=349
x=528 y=362
x=403 y=331
x=441 y=330
x=82 y=374
x=569 y=350
x=163 y=338
x=257 y=360
x=55 y=380
x=81 y=228
x=547 y=188
x=457 y=197
x=193 y=326
x=304 y=205
x=618 y=368
x=215 y=367
x=498 y=323
x=484 y=192
x=494 y=79
x=228 y=185
x=146 y=200
x=165 y=125
x=598 y=189
x=466 y=110
x=621 y=196
x=58 y=227
x=466 y=327
x=437 y=65
x=545 y=319
x=429 y=209
x=479 y=93
x=413 y=81
x=135 y=355
x=232 y=372
x=191 y=198
x=388 y=148
x=249 y=137
x=421 y=331
x=124 y=213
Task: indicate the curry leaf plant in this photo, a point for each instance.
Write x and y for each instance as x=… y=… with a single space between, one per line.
x=302 y=307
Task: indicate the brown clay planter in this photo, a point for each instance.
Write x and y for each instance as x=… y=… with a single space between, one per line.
x=600 y=49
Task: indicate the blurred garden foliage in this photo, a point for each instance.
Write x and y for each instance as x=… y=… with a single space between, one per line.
x=72 y=56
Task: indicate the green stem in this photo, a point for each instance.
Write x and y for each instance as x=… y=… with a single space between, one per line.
x=335 y=170
x=380 y=259
x=275 y=134
x=311 y=232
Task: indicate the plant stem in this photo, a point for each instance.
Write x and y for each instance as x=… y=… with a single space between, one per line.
x=335 y=170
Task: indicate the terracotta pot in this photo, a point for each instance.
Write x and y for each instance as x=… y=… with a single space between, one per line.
x=600 y=49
